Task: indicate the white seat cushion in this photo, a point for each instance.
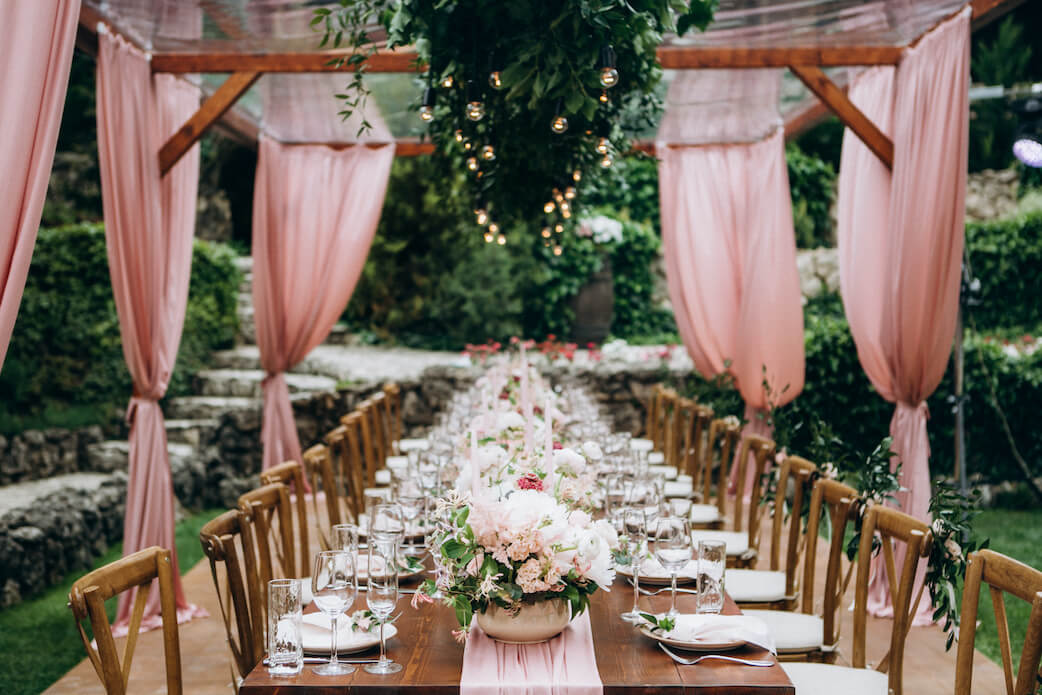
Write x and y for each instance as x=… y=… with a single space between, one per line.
x=667 y=472
x=642 y=444
x=382 y=477
x=793 y=632
x=656 y=458
x=684 y=478
x=737 y=542
x=675 y=488
x=755 y=586
x=704 y=513
x=413 y=445
x=826 y=679
x=384 y=492
x=398 y=463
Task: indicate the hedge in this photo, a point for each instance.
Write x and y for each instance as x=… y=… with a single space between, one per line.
x=1006 y=256
x=65 y=364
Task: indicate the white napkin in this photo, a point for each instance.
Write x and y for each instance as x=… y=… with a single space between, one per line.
x=642 y=444
x=652 y=569
x=675 y=488
x=669 y=472
x=407 y=445
x=397 y=463
x=722 y=628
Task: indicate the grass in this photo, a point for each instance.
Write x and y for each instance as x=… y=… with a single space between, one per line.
x=39 y=635
x=1016 y=534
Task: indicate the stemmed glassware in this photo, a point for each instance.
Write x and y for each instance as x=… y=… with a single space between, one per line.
x=386 y=518
x=635 y=536
x=334 y=585
x=672 y=550
x=345 y=537
x=411 y=501
x=382 y=595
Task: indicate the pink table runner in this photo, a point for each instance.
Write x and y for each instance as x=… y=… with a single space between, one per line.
x=564 y=665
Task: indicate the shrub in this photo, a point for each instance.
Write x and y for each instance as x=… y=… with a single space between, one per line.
x=812 y=183
x=65 y=363
x=1005 y=256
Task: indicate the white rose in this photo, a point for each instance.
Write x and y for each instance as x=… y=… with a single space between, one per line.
x=509 y=420
x=592 y=451
x=607 y=533
x=569 y=460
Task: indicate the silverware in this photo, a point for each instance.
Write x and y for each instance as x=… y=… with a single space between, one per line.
x=719 y=657
x=646 y=592
x=325 y=660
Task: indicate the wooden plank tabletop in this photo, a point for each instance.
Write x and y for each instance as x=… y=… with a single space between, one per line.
x=628 y=662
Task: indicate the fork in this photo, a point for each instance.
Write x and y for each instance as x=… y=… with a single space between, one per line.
x=719 y=657
x=646 y=592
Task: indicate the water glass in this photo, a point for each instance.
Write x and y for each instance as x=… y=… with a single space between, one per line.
x=285 y=649
x=382 y=594
x=345 y=537
x=411 y=501
x=681 y=507
x=634 y=531
x=386 y=518
x=614 y=493
x=712 y=560
x=334 y=584
x=672 y=542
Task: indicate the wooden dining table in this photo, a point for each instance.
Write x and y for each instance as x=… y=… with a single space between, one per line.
x=628 y=662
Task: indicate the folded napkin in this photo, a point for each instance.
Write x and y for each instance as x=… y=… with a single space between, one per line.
x=722 y=628
x=652 y=569
x=397 y=463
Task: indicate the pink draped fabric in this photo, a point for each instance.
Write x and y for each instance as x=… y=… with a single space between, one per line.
x=730 y=257
x=36 y=42
x=900 y=246
x=149 y=224
x=315 y=211
x=564 y=665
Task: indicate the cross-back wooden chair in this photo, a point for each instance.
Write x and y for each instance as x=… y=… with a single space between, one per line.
x=812 y=632
x=777 y=587
x=345 y=445
x=371 y=461
x=87 y=601
x=679 y=429
x=1003 y=575
x=694 y=443
x=327 y=507
x=380 y=427
x=269 y=516
x=651 y=417
x=291 y=474
x=719 y=448
x=664 y=414
x=393 y=392
x=228 y=546
x=889 y=526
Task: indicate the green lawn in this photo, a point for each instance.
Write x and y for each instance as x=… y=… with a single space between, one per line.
x=1017 y=534
x=39 y=635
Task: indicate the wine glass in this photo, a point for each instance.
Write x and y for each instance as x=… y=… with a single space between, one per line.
x=634 y=531
x=411 y=500
x=345 y=537
x=382 y=595
x=673 y=551
x=614 y=493
x=386 y=518
x=334 y=585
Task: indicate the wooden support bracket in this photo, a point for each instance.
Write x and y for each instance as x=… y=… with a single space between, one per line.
x=851 y=116
x=212 y=109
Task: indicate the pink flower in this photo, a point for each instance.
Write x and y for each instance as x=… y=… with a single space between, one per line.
x=419 y=598
x=530 y=481
x=460 y=635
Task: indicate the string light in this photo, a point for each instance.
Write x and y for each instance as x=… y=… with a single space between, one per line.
x=481 y=213
x=447 y=82
x=548 y=207
x=427 y=110
x=607 y=160
x=546 y=232
x=566 y=210
x=472 y=163
x=558 y=250
x=559 y=123
x=603 y=145
x=569 y=193
x=603 y=98
x=558 y=227
x=459 y=135
x=488 y=153
x=577 y=176
x=493 y=228
x=475 y=109
x=489 y=237
x=495 y=78
x=609 y=76
x=501 y=240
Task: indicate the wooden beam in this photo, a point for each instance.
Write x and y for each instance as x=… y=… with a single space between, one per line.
x=851 y=116
x=798 y=123
x=313 y=61
x=987 y=11
x=212 y=109
x=694 y=57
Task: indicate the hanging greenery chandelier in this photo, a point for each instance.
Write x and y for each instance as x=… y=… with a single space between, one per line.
x=530 y=98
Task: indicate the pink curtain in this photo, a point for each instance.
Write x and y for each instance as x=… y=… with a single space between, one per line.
x=36 y=42
x=901 y=242
x=149 y=224
x=315 y=210
x=730 y=256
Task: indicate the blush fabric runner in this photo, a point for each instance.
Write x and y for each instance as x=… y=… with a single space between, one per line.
x=564 y=665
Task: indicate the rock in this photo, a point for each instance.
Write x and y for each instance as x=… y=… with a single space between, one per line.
x=10 y=594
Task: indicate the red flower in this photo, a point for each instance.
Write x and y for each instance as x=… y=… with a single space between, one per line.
x=530 y=481
x=551 y=337
x=558 y=445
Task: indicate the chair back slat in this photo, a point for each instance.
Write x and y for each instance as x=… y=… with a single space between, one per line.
x=800 y=472
x=393 y=393
x=761 y=451
x=318 y=464
x=135 y=572
x=228 y=545
x=291 y=474
x=1003 y=575
x=268 y=513
x=345 y=445
x=651 y=420
x=723 y=435
x=694 y=444
x=371 y=458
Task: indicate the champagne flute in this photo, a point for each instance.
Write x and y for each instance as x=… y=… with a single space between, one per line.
x=382 y=595
x=635 y=532
x=673 y=551
x=334 y=586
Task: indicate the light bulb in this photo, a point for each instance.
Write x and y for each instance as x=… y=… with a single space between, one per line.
x=559 y=124
x=475 y=110
x=603 y=145
x=546 y=232
x=577 y=176
x=468 y=145
x=459 y=135
x=546 y=244
x=472 y=163
x=603 y=98
x=558 y=196
x=447 y=82
x=488 y=153
x=495 y=80
x=548 y=207
x=569 y=193
x=558 y=227
x=609 y=77
x=482 y=217
x=501 y=240
x=493 y=228
x=489 y=237
x=566 y=211
x=427 y=113
x=607 y=160
x=558 y=250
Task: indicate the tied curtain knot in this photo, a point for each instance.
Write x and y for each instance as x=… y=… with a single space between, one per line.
x=137 y=400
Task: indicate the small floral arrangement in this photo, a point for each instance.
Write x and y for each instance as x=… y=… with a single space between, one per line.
x=601 y=229
x=365 y=621
x=658 y=624
x=525 y=548
x=482 y=353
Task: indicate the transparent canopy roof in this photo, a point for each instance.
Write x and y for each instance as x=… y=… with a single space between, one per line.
x=300 y=107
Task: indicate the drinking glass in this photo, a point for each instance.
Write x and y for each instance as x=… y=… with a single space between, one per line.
x=386 y=518
x=635 y=533
x=673 y=551
x=614 y=493
x=345 y=537
x=411 y=501
x=285 y=649
x=712 y=559
x=382 y=595
x=375 y=497
x=681 y=507
x=334 y=584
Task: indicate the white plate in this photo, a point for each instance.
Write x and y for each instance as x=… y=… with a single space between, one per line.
x=314 y=635
x=691 y=646
x=652 y=573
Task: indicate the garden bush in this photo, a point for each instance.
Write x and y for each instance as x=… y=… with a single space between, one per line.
x=1006 y=255
x=65 y=364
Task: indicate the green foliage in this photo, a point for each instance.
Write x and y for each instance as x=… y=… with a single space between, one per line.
x=1005 y=256
x=812 y=183
x=1002 y=61
x=824 y=141
x=629 y=189
x=632 y=261
x=65 y=362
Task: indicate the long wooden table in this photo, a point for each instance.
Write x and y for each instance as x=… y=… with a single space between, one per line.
x=628 y=662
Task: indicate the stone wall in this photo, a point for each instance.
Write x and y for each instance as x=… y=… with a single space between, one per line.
x=36 y=454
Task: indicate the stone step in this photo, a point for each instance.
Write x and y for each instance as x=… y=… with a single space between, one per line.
x=244 y=264
x=191 y=432
x=113 y=455
x=242 y=357
x=21 y=495
x=212 y=407
x=248 y=382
